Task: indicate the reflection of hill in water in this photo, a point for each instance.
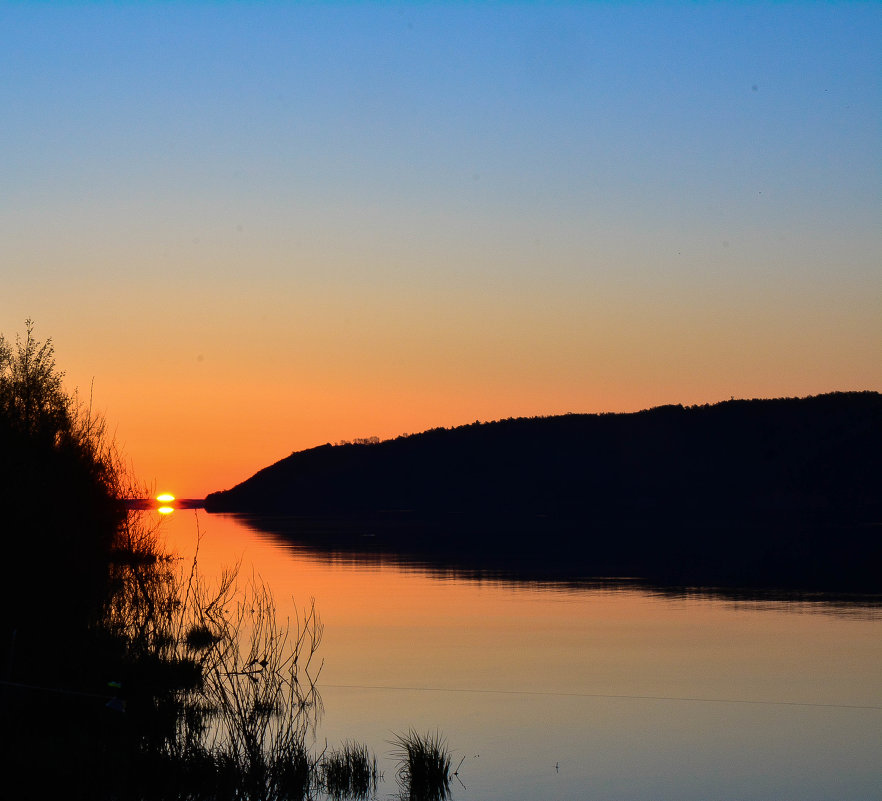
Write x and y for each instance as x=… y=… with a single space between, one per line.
x=545 y=556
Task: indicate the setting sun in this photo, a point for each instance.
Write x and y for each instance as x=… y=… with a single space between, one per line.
x=165 y=510
x=165 y=497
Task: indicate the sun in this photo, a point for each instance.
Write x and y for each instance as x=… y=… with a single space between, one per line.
x=166 y=497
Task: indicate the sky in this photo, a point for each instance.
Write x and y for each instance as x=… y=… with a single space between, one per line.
x=253 y=228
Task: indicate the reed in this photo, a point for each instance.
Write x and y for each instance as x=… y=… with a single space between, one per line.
x=423 y=765
x=220 y=690
x=349 y=772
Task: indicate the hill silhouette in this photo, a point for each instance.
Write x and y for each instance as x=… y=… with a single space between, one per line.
x=784 y=490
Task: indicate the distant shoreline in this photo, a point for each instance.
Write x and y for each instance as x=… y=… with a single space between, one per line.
x=778 y=492
x=148 y=504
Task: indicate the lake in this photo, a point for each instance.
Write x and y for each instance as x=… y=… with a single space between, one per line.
x=568 y=691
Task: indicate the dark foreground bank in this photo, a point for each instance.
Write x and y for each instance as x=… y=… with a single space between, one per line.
x=126 y=674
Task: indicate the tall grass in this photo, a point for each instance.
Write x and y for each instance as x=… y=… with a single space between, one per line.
x=349 y=772
x=424 y=766
x=220 y=690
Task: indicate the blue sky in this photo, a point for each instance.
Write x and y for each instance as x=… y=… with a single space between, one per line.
x=384 y=217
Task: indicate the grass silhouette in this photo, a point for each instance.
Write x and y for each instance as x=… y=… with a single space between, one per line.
x=349 y=771
x=423 y=765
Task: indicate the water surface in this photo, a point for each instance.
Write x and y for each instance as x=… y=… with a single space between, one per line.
x=563 y=691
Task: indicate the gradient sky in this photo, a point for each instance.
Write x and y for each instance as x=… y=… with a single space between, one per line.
x=262 y=227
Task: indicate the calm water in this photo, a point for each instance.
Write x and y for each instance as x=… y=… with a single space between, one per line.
x=565 y=693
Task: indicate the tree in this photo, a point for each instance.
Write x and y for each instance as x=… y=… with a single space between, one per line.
x=33 y=402
x=60 y=488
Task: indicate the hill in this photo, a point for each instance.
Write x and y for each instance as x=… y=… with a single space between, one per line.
x=744 y=485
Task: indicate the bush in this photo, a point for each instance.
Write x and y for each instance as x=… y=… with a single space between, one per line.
x=61 y=484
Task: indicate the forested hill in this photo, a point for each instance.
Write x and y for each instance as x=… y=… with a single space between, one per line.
x=795 y=460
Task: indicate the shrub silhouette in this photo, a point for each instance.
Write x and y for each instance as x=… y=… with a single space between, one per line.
x=126 y=676
x=60 y=487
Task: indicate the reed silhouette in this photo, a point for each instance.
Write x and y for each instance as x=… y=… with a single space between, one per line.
x=349 y=772
x=424 y=766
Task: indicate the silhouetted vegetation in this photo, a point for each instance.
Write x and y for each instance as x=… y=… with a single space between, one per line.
x=123 y=676
x=220 y=694
x=126 y=675
x=424 y=771
x=782 y=492
x=60 y=489
x=349 y=772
